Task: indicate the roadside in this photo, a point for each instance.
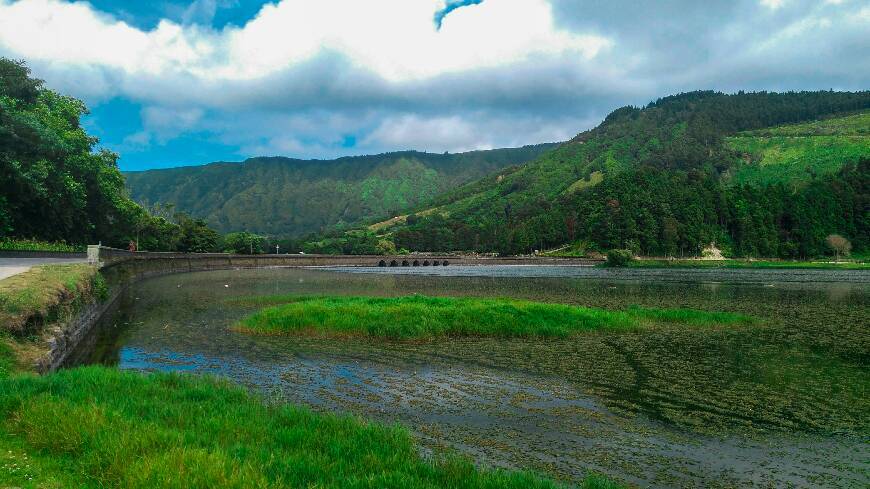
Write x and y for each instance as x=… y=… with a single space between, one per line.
x=14 y=266
x=38 y=301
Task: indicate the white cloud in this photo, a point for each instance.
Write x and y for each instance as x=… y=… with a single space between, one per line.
x=469 y=132
x=773 y=4
x=302 y=74
x=167 y=122
x=396 y=39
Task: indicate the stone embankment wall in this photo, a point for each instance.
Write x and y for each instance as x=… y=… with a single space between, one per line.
x=156 y=262
x=63 y=337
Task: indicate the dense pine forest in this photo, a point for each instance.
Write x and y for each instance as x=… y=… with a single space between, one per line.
x=673 y=177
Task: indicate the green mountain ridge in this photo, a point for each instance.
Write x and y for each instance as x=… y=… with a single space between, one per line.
x=761 y=174
x=292 y=197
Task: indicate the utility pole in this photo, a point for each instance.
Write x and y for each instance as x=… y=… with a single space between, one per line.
x=276 y=249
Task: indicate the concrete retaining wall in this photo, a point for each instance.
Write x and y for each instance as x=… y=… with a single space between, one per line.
x=178 y=262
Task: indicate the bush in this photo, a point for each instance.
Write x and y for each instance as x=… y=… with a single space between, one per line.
x=619 y=258
x=386 y=247
x=17 y=244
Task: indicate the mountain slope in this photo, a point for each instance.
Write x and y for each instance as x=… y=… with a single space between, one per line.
x=797 y=153
x=672 y=177
x=290 y=197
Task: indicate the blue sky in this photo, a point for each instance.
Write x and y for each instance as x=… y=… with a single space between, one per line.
x=189 y=82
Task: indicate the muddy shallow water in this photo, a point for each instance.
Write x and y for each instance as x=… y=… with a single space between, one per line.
x=781 y=403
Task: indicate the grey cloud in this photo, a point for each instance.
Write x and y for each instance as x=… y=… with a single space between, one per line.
x=658 y=48
x=687 y=45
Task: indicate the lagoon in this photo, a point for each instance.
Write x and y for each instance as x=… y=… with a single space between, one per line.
x=779 y=402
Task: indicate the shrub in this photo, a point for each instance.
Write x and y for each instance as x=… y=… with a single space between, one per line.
x=18 y=244
x=619 y=258
x=839 y=244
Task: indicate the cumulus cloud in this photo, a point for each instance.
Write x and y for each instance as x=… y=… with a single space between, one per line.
x=396 y=39
x=302 y=76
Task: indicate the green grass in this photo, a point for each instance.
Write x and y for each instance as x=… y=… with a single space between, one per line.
x=7 y=358
x=420 y=317
x=100 y=427
x=771 y=264
x=578 y=249
x=795 y=154
x=794 y=160
x=18 y=244
x=850 y=125
x=43 y=293
x=37 y=297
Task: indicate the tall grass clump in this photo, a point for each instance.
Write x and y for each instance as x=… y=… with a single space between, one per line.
x=420 y=317
x=99 y=427
x=7 y=360
x=19 y=244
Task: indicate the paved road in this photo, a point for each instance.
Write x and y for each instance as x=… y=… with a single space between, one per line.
x=14 y=266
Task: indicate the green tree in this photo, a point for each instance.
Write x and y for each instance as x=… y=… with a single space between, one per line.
x=244 y=243
x=195 y=235
x=55 y=184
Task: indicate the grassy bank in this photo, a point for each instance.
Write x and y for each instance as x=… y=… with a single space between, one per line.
x=420 y=317
x=44 y=293
x=99 y=427
x=38 y=297
x=769 y=264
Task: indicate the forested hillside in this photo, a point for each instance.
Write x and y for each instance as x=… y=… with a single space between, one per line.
x=673 y=177
x=55 y=186
x=290 y=197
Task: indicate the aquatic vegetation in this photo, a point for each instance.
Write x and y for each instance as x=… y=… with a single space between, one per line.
x=786 y=396
x=415 y=317
x=100 y=427
x=769 y=264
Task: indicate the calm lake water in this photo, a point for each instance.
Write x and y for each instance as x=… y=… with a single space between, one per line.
x=780 y=403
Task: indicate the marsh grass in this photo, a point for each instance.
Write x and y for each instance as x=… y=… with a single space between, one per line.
x=421 y=317
x=768 y=264
x=100 y=427
x=45 y=293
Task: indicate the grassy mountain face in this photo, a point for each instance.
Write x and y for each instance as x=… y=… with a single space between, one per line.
x=798 y=153
x=672 y=177
x=291 y=197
